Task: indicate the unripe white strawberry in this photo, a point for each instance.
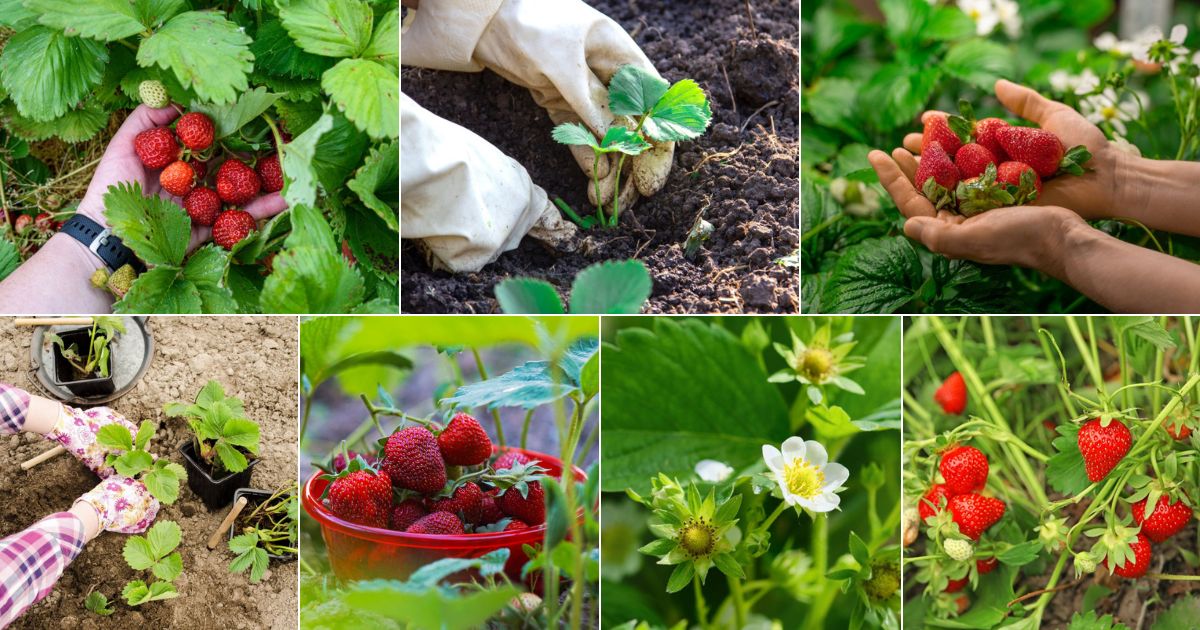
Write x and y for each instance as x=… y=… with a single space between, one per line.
x=958 y=549
x=153 y=94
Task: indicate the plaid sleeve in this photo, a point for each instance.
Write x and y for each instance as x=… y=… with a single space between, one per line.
x=32 y=561
x=14 y=404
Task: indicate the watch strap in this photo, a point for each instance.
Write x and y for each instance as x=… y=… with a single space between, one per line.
x=102 y=242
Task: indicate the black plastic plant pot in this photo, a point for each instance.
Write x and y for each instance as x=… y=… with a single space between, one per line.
x=216 y=493
x=253 y=498
x=65 y=374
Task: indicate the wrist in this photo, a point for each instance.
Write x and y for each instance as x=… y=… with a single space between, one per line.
x=1073 y=242
x=86 y=513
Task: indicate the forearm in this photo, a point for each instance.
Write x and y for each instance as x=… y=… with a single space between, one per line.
x=1161 y=194
x=57 y=279
x=1123 y=277
x=33 y=560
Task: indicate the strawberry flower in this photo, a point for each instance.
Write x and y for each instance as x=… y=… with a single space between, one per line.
x=713 y=471
x=805 y=475
x=1107 y=107
x=821 y=361
x=857 y=198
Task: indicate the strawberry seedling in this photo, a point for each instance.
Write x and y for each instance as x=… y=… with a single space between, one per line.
x=613 y=287
x=93 y=359
x=156 y=552
x=270 y=529
x=222 y=433
x=651 y=111
x=161 y=476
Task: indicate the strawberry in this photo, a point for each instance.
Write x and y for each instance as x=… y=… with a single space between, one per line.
x=937 y=129
x=975 y=513
x=23 y=222
x=1010 y=173
x=232 y=226
x=178 y=178
x=514 y=525
x=937 y=176
x=508 y=459
x=45 y=222
x=965 y=469
x=529 y=507
x=952 y=395
x=931 y=503
x=954 y=586
x=236 y=182
x=361 y=496
x=195 y=131
x=156 y=147
x=202 y=205
x=341 y=460
x=1165 y=521
x=986 y=134
x=1136 y=567
x=1179 y=432
x=466 y=501
x=972 y=160
x=442 y=523
x=986 y=565
x=272 y=176
x=405 y=513
x=201 y=168
x=488 y=511
x=153 y=94
x=1103 y=447
x=463 y=442
x=414 y=461
x=1038 y=148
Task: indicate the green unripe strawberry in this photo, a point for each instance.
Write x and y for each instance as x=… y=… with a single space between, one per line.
x=120 y=281
x=958 y=549
x=153 y=94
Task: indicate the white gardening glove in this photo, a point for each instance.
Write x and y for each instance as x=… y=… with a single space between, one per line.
x=564 y=51
x=464 y=200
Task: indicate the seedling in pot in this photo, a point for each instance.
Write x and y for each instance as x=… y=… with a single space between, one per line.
x=654 y=111
x=222 y=434
x=270 y=529
x=94 y=360
x=161 y=476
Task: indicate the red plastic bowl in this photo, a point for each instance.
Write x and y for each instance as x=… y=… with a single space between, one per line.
x=360 y=552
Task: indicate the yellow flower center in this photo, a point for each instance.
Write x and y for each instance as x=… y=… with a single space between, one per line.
x=976 y=14
x=1109 y=112
x=696 y=537
x=816 y=364
x=803 y=479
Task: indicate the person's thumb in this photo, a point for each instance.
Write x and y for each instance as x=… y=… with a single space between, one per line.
x=1025 y=102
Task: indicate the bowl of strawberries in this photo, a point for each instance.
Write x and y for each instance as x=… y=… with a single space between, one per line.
x=429 y=496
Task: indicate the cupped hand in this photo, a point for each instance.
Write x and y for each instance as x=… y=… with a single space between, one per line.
x=120 y=163
x=123 y=505
x=1092 y=195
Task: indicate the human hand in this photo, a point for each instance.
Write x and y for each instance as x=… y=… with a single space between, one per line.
x=122 y=505
x=1096 y=193
x=565 y=53
x=76 y=430
x=121 y=164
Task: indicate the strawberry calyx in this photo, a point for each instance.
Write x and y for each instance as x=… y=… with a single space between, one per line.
x=517 y=477
x=979 y=194
x=353 y=465
x=1073 y=161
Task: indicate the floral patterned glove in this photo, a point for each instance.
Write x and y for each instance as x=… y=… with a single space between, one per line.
x=123 y=505
x=76 y=430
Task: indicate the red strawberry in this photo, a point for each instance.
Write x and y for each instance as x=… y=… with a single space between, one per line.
x=362 y=496
x=1136 y=567
x=972 y=160
x=236 y=182
x=201 y=168
x=1165 y=521
x=1103 y=447
x=488 y=511
x=931 y=503
x=508 y=459
x=195 y=131
x=443 y=523
x=937 y=129
x=1038 y=148
x=414 y=462
x=952 y=395
x=986 y=134
x=1179 y=432
x=965 y=469
x=530 y=508
x=515 y=525
x=985 y=566
x=954 y=586
x=405 y=514
x=156 y=147
x=23 y=222
x=974 y=513
x=464 y=442
x=936 y=166
x=202 y=205
x=1010 y=173
x=466 y=501
x=178 y=178
x=231 y=227
x=272 y=176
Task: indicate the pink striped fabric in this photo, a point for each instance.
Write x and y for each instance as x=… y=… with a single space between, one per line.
x=32 y=561
x=14 y=403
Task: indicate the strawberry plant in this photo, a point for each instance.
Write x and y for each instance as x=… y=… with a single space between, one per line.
x=1059 y=467
x=161 y=476
x=299 y=98
x=222 y=433
x=270 y=528
x=94 y=359
x=744 y=473
x=651 y=109
x=614 y=287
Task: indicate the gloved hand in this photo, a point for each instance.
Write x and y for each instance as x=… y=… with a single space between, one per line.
x=123 y=505
x=76 y=430
x=563 y=51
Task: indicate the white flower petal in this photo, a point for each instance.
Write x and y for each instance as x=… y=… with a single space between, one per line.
x=772 y=457
x=1179 y=33
x=815 y=453
x=713 y=471
x=793 y=448
x=823 y=503
x=835 y=475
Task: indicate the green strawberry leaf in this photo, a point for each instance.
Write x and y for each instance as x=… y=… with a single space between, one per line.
x=1073 y=161
x=114 y=436
x=368 y=94
x=612 y=287
x=523 y=296
x=276 y=53
x=377 y=185
x=230 y=117
x=98 y=603
x=219 y=74
x=329 y=29
x=47 y=72
x=163 y=481
x=682 y=113
x=105 y=20
x=169 y=567
x=205 y=271
x=145 y=432
x=633 y=91
x=311 y=276
x=154 y=228
x=133 y=463
x=74 y=126
x=161 y=290
x=164 y=537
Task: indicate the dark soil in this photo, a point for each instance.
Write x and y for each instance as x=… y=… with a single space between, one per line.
x=743 y=175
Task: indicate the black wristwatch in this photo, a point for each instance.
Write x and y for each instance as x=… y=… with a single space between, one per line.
x=102 y=243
